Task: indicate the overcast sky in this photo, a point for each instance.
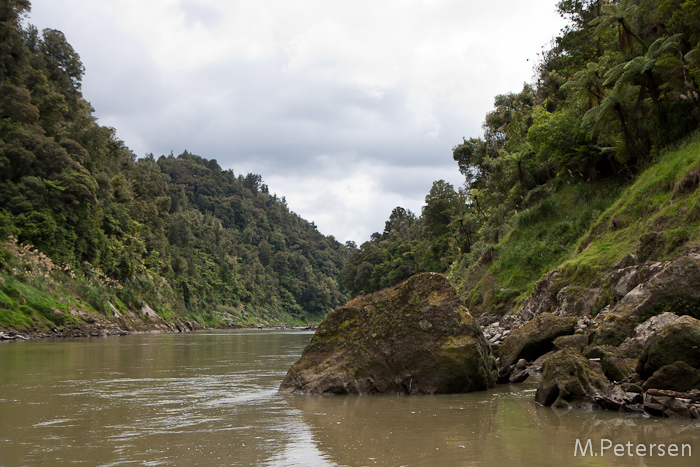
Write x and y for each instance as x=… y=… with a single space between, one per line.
x=346 y=108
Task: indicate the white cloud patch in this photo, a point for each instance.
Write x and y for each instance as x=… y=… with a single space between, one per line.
x=348 y=109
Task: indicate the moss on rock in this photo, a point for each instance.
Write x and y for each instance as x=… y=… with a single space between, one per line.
x=678 y=376
x=535 y=338
x=568 y=378
x=676 y=342
x=415 y=337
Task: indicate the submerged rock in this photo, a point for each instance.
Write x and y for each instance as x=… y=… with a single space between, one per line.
x=415 y=337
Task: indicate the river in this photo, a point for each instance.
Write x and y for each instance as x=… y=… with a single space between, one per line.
x=210 y=398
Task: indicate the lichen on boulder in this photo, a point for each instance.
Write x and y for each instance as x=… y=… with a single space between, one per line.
x=414 y=338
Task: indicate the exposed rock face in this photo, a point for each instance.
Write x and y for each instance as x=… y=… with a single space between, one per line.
x=535 y=338
x=607 y=359
x=674 y=279
x=574 y=341
x=634 y=344
x=675 y=342
x=616 y=366
x=570 y=379
x=415 y=337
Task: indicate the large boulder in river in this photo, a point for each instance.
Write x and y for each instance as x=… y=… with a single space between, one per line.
x=415 y=337
x=535 y=338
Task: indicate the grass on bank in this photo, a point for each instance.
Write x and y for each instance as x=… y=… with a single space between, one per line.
x=585 y=229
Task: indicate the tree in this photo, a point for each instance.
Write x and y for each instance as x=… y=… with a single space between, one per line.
x=13 y=54
x=618 y=15
x=62 y=61
x=615 y=102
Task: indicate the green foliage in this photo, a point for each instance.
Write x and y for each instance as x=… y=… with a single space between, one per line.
x=179 y=233
x=410 y=244
x=656 y=217
x=545 y=185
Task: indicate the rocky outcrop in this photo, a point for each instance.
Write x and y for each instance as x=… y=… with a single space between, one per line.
x=607 y=358
x=674 y=285
x=573 y=341
x=82 y=323
x=675 y=342
x=414 y=338
x=634 y=344
x=535 y=338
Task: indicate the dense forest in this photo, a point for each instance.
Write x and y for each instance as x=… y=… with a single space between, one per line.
x=618 y=87
x=85 y=224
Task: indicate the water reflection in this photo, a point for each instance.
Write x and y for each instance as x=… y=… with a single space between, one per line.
x=211 y=399
x=500 y=427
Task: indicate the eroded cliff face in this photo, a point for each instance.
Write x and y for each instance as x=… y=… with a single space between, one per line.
x=414 y=338
x=640 y=349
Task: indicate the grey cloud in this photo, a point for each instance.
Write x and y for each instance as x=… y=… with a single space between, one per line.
x=198 y=12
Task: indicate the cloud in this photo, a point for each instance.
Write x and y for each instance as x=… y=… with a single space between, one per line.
x=348 y=109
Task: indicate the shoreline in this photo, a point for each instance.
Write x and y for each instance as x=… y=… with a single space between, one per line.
x=10 y=335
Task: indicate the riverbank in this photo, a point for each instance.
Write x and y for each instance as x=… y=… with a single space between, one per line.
x=111 y=329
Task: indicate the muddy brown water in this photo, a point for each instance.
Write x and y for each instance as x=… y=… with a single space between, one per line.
x=210 y=398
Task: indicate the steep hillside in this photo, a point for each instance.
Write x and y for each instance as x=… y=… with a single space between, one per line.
x=618 y=87
x=89 y=234
x=589 y=230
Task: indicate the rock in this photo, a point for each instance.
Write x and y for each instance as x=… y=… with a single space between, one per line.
x=654 y=409
x=415 y=337
x=634 y=398
x=624 y=280
x=660 y=405
x=693 y=395
x=694 y=411
x=629 y=260
x=678 y=341
x=535 y=338
x=504 y=374
x=569 y=379
x=85 y=316
x=616 y=366
x=575 y=341
x=675 y=279
x=595 y=351
x=537 y=365
x=519 y=377
x=149 y=313
x=633 y=388
x=543 y=298
x=576 y=301
x=634 y=344
x=678 y=376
